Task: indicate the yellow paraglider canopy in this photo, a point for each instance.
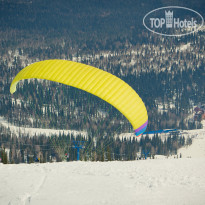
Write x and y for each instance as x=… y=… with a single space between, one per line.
x=93 y=80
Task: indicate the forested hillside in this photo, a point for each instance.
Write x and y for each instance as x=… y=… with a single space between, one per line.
x=167 y=72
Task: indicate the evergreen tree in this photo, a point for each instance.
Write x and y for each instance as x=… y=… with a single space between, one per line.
x=3 y=156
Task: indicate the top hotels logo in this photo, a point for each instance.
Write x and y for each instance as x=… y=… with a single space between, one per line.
x=173 y=21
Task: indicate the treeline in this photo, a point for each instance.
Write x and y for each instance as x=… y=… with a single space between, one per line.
x=62 y=148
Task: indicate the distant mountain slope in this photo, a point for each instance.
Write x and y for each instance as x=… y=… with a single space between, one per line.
x=103 y=18
x=167 y=73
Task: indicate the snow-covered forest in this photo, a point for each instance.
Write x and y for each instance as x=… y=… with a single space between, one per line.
x=168 y=74
x=43 y=123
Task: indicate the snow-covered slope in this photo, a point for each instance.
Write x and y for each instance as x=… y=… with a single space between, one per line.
x=158 y=181
x=197 y=148
x=38 y=131
x=168 y=181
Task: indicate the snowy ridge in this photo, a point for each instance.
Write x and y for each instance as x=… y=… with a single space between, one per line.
x=38 y=131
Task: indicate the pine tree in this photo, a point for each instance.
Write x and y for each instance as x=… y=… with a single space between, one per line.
x=3 y=156
x=108 y=154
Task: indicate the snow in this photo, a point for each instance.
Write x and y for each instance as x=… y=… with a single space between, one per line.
x=168 y=181
x=165 y=107
x=198 y=134
x=185 y=47
x=18 y=101
x=28 y=131
x=133 y=62
x=197 y=148
x=156 y=181
x=153 y=181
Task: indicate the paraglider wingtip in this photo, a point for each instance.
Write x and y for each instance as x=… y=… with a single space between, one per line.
x=139 y=131
x=12 y=89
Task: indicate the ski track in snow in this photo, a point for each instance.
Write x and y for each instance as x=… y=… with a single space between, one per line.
x=26 y=184
x=28 y=197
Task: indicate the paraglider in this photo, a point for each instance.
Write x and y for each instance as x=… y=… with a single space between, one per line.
x=93 y=80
